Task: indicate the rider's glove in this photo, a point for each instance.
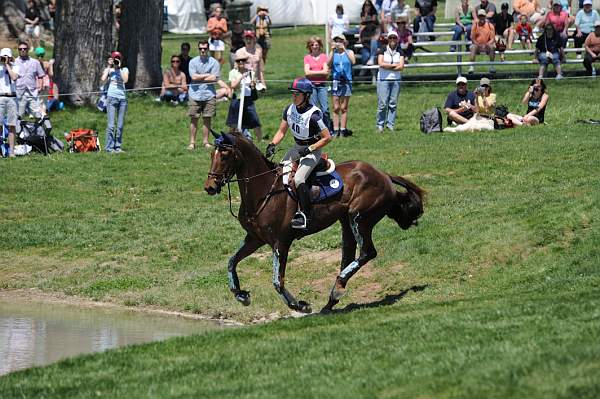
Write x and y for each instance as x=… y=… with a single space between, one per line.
x=304 y=152
x=270 y=151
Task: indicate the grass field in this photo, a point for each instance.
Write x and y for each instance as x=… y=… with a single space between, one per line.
x=494 y=294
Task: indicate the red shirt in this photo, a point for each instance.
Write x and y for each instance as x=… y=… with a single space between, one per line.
x=524 y=30
x=316 y=65
x=558 y=21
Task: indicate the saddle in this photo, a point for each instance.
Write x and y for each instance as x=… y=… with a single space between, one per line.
x=325 y=182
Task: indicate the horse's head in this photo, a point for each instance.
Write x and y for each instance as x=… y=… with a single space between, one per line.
x=224 y=163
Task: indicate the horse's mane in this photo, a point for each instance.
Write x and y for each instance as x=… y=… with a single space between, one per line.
x=239 y=138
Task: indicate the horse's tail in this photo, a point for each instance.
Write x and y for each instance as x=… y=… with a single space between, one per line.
x=408 y=206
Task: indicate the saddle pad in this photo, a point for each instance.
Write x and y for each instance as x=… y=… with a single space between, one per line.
x=329 y=185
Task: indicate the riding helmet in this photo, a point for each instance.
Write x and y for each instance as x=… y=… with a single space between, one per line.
x=302 y=85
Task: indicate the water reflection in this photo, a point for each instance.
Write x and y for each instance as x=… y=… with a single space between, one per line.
x=38 y=334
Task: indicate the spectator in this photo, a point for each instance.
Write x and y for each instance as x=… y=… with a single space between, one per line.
x=340 y=62
x=391 y=63
x=584 y=23
x=237 y=40
x=185 y=58
x=488 y=7
x=424 y=16
x=400 y=9
x=385 y=14
x=54 y=103
x=504 y=27
x=536 y=99
x=174 y=84
x=205 y=72
x=378 y=4
x=525 y=32
x=368 y=33
x=45 y=83
x=592 y=48
x=460 y=104
x=485 y=106
x=529 y=8
x=483 y=36
x=52 y=13
x=33 y=22
x=560 y=20
x=316 y=70
x=210 y=5
x=464 y=22
x=405 y=37
x=8 y=90
x=249 y=116
x=262 y=27
x=117 y=75
x=30 y=71
x=339 y=23
x=547 y=50
x=216 y=28
x=255 y=62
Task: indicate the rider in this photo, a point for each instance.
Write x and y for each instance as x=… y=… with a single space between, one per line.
x=310 y=134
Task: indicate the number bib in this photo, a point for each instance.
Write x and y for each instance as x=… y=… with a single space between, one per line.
x=300 y=123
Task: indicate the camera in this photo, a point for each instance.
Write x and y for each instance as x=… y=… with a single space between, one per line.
x=4 y=59
x=480 y=90
x=117 y=62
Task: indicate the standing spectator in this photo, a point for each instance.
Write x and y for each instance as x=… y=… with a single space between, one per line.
x=584 y=23
x=340 y=63
x=216 y=28
x=249 y=115
x=174 y=85
x=386 y=14
x=504 y=27
x=185 y=58
x=400 y=9
x=117 y=75
x=391 y=62
x=488 y=7
x=205 y=72
x=52 y=13
x=30 y=71
x=525 y=32
x=425 y=16
x=255 y=62
x=405 y=37
x=8 y=101
x=339 y=23
x=316 y=70
x=237 y=40
x=547 y=49
x=460 y=104
x=592 y=48
x=33 y=21
x=368 y=33
x=209 y=6
x=531 y=8
x=483 y=36
x=464 y=22
x=45 y=83
x=536 y=99
x=262 y=26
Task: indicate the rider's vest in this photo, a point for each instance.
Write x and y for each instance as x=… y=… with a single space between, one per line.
x=300 y=125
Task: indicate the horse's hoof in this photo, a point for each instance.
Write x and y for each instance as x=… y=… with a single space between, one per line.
x=329 y=307
x=304 y=307
x=243 y=297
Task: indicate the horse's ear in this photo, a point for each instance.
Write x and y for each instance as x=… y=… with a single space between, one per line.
x=215 y=134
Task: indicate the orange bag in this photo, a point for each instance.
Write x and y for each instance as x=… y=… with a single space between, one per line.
x=83 y=140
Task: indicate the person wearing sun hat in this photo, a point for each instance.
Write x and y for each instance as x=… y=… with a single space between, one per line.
x=460 y=104
x=8 y=91
x=584 y=23
x=262 y=25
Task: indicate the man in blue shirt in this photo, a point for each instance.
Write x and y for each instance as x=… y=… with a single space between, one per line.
x=204 y=73
x=460 y=104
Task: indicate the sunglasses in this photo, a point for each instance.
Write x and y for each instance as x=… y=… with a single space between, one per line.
x=203 y=48
x=23 y=48
x=175 y=62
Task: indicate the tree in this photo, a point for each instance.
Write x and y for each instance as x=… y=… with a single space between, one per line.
x=83 y=42
x=140 y=36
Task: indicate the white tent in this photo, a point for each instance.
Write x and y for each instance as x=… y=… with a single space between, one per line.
x=185 y=16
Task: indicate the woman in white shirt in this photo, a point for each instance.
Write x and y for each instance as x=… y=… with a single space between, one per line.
x=391 y=62
x=339 y=23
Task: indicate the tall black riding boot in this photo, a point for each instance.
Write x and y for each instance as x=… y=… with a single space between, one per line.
x=302 y=217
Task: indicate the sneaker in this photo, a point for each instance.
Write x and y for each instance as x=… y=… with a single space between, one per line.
x=299 y=221
x=471 y=69
x=390 y=128
x=192 y=146
x=157 y=100
x=559 y=77
x=492 y=69
x=346 y=133
x=118 y=151
x=452 y=49
x=380 y=129
x=222 y=99
x=578 y=56
x=370 y=62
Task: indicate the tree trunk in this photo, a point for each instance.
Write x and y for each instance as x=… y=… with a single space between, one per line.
x=83 y=44
x=140 y=36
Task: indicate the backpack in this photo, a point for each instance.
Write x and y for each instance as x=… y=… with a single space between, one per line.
x=37 y=135
x=431 y=120
x=83 y=140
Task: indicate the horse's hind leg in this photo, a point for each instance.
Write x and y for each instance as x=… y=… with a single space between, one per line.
x=248 y=247
x=280 y=255
x=362 y=232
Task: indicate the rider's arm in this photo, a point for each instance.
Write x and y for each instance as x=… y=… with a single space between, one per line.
x=325 y=138
x=283 y=127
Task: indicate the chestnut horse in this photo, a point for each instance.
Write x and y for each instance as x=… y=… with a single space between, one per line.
x=266 y=212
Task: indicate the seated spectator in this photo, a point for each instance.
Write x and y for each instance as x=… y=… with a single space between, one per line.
x=255 y=62
x=400 y=9
x=530 y=8
x=483 y=36
x=584 y=23
x=525 y=32
x=504 y=28
x=460 y=104
x=547 y=49
x=53 y=103
x=488 y=7
x=536 y=99
x=391 y=63
x=339 y=23
x=174 y=84
x=463 y=17
x=237 y=40
x=216 y=28
x=368 y=33
x=185 y=58
x=405 y=37
x=592 y=48
x=560 y=20
x=262 y=27
x=485 y=104
x=33 y=22
x=425 y=16
x=316 y=70
x=250 y=120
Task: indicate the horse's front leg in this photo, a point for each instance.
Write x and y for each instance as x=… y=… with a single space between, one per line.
x=248 y=247
x=280 y=255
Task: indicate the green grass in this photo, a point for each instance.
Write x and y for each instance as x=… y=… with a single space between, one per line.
x=506 y=256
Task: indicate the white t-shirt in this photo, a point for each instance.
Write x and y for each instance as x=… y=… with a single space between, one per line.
x=234 y=74
x=8 y=86
x=389 y=57
x=338 y=24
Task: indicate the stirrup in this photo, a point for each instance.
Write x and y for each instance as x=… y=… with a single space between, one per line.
x=299 y=221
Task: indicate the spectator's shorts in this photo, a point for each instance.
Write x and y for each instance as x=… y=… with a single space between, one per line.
x=264 y=42
x=483 y=49
x=204 y=109
x=8 y=110
x=216 y=45
x=343 y=90
x=32 y=30
x=28 y=104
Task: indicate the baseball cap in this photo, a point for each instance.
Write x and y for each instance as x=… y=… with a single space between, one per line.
x=262 y=8
x=461 y=79
x=116 y=54
x=40 y=51
x=241 y=57
x=6 y=52
x=249 y=33
x=484 y=82
x=588 y=2
x=481 y=13
x=596 y=23
x=339 y=36
x=392 y=33
x=556 y=3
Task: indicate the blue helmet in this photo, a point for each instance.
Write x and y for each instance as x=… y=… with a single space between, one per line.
x=302 y=85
